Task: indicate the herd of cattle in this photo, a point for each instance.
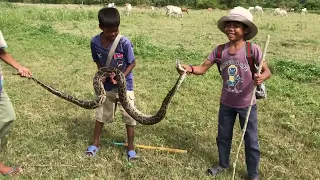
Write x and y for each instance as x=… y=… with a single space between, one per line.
x=276 y=11
x=178 y=11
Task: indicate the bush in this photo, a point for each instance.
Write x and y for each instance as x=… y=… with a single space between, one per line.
x=204 y=4
x=312 y=4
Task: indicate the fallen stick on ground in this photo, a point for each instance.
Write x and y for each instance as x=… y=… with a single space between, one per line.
x=153 y=147
x=59 y=165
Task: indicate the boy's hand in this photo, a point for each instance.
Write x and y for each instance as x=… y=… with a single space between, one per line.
x=112 y=80
x=186 y=67
x=258 y=79
x=103 y=80
x=24 y=72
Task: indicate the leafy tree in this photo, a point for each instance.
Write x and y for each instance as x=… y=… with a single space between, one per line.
x=222 y=4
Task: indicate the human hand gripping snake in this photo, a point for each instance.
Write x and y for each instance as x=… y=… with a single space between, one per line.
x=122 y=93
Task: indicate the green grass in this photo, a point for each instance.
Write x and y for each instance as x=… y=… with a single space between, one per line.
x=50 y=135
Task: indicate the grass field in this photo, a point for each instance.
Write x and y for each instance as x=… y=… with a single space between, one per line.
x=50 y=135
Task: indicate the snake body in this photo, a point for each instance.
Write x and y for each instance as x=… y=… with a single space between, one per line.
x=122 y=93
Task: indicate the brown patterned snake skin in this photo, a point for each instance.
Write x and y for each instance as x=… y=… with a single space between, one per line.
x=122 y=89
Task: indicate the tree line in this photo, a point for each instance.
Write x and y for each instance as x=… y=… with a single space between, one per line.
x=200 y=4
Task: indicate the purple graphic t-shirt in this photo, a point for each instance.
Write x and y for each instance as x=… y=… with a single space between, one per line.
x=122 y=58
x=236 y=75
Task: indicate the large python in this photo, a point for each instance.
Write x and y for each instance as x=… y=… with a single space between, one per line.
x=122 y=93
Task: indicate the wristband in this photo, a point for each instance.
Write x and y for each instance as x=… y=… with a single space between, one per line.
x=192 y=70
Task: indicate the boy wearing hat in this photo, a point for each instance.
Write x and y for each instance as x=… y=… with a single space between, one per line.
x=238 y=81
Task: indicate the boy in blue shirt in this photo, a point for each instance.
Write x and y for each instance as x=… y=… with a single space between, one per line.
x=123 y=58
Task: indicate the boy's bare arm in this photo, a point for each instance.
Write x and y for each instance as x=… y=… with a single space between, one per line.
x=7 y=58
x=129 y=68
x=203 y=68
x=198 y=70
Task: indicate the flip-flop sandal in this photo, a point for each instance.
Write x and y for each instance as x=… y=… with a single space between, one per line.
x=132 y=155
x=93 y=150
x=215 y=170
x=14 y=171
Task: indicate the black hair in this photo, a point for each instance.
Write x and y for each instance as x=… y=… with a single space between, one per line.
x=109 y=17
x=245 y=26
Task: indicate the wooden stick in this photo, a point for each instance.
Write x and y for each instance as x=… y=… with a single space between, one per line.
x=249 y=109
x=152 y=147
x=59 y=165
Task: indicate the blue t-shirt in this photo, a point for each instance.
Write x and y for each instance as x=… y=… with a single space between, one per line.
x=122 y=58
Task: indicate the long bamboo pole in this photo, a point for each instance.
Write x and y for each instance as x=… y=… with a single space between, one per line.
x=249 y=109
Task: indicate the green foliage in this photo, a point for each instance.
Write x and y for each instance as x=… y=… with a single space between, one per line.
x=222 y=4
x=203 y=4
x=298 y=72
x=313 y=4
x=270 y=26
x=144 y=48
x=46 y=29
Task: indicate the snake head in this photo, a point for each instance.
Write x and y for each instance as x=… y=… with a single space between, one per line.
x=179 y=67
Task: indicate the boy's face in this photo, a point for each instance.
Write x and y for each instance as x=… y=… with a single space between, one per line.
x=109 y=33
x=235 y=31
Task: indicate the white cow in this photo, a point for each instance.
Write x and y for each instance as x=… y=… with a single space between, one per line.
x=174 y=10
x=251 y=8
x=280 y=12
x=111 y=5
x=283 y=13
x=304 y=11
x=258 y=9
x=276 y=11
x=127 y=9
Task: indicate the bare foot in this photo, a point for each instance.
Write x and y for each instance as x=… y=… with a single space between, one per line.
x=10 y=171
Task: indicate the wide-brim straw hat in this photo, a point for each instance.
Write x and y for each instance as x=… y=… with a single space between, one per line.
x=242 y=15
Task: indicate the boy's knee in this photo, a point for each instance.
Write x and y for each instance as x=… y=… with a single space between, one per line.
x=6 y=108
x=100 y=121
x=104 y=114
x=223 y=140
x=5 y=128
x=129 y=121
x=130 y=126
x=104 y=120
x=224 y=136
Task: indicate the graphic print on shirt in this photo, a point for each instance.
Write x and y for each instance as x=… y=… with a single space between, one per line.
x=234 y=79
x=118 y=57
x=99 y=55
x=117 y=60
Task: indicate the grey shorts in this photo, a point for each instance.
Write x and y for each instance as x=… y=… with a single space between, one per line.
x=7 y=114
x=105 y=113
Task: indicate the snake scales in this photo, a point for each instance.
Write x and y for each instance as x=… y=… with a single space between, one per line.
x=121 y=81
